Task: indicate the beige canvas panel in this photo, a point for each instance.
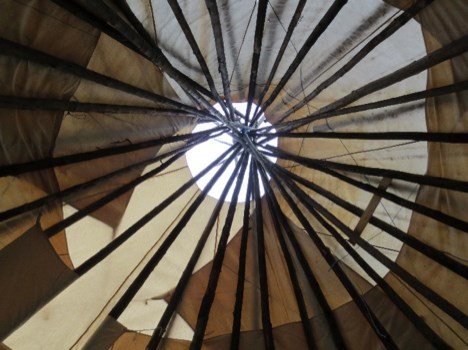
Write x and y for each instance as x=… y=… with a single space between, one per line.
x=31 y=274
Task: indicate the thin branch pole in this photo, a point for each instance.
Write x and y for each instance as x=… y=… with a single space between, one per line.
x=217 y=264
x=445 y=137
x=417 y=321
x=42 y=104
x=262 y=270
x=432 y=253
x=424 y=94
x=17 y=50
x=324 y=23
x=134 y=21
x=337 y=337
x=103 y=253
x=152 y=52
x=130 y=293
x=257 y=48
x=455 y=48
x=368 y=314
x=396 y=24
x=451 y=184
x=279 y=56
x=179 y=15
x=88 y=17
x=46 y=163
x=306 y=325
x=237 y=314
x=179 y=290
x=144 y=34
x=219 y=42
x=416 y=207
x=451 y=310
x=72 y=219
x=74 y=190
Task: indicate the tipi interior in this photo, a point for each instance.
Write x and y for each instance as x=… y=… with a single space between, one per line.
x=233 y=174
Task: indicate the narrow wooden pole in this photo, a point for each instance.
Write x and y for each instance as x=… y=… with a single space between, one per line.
x=306 y=325
x=324 y=23
x=217 y=264
x=445 y=137
x=219 y=42
x=130 y=293
x=103 y=253
x=80 y=188
x=152 y=52
x=72 y=219
x=432 y=253
x=134 y=21
x=455 y=48
x=337 y=337
x=46 y=163
x=237 y=313
x=286 y=40
x=368 y=314
x=262 y=271
x=419 y=208
x=396 y=24
x=90 y=18
x=413 y=317
x=451 y=184
x=450 y=309
x=286 y=127
x=40 y=104
x=257 y=48
x=179 y=15
x=187 y=273
x=17 y=50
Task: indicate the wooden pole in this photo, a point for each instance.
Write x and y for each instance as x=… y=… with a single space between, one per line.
x=219 y=42
x=17 y=50
x=261 y=254
x=306 y=325
x=217 y=264
x=187 y=273
x=130 y=293
x=80 y=188
x=450 y=309
x=324 y=23
x=396 y=24
x=179 y=15
x=237 y=313
x=368 y=314
x=257 y=48
x=286 y=40
x=46 y=163
x=103 y=253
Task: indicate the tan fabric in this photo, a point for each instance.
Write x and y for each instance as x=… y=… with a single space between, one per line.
x=31 y=274
x=25 y=136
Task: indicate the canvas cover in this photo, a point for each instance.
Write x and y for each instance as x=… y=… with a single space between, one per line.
x=66 y=310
